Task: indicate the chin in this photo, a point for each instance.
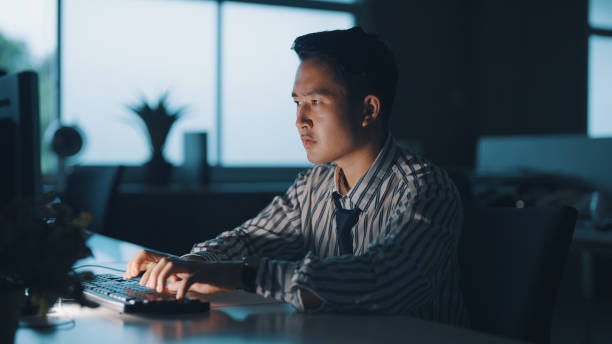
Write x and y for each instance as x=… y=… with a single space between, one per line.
x=317 y=160
x=313 y=161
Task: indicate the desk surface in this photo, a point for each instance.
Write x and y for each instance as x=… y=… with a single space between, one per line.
x=235 y=317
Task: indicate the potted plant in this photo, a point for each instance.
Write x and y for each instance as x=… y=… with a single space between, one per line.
x=158 y=121
x=39 y=243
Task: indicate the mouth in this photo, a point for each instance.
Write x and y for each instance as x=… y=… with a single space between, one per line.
x=307 y=140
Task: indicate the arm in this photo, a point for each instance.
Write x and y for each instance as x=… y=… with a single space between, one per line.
x=212 y=265
x=398 y=273
x=274 y=232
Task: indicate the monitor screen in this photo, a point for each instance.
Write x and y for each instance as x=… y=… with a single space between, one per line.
x=20 y=175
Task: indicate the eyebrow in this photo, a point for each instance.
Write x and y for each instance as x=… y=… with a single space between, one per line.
x=316 y=91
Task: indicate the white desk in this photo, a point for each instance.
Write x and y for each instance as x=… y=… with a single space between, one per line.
x=235 y=317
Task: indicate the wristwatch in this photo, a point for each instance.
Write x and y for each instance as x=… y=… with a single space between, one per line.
x=250 y=266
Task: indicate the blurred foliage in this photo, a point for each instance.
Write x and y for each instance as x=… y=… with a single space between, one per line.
x=14 y=56
x=39 y=243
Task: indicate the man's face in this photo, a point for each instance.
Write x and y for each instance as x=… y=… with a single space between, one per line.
x=327 y=126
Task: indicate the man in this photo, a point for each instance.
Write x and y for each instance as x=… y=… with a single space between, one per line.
x=370 y=227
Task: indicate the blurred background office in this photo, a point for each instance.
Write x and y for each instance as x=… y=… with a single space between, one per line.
x=484 y=85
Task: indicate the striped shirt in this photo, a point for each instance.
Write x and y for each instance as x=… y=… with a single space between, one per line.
x=404 y=257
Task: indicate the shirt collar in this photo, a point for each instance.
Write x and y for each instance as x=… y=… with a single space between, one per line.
x=368 y=183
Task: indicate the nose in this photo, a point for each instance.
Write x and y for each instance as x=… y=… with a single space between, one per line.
x=303 y=120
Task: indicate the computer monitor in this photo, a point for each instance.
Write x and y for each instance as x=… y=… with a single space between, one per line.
x=20 y=174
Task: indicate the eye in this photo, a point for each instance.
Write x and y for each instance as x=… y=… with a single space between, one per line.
x=296 y=102
x=315 y=101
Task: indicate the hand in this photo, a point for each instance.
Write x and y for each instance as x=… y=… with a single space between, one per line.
x=186 y=275
x=142 y=261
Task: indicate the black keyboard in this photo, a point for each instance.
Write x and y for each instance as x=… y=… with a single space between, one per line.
x=127 y=296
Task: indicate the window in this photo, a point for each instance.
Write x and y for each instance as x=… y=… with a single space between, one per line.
x=600 y=69
x=258 y=112
x=116 y=53
x=213 y=60
x=28 y=41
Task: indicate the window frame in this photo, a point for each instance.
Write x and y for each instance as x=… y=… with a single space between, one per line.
x=592 y=32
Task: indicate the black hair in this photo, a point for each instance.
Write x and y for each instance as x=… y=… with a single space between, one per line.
x=363 y=64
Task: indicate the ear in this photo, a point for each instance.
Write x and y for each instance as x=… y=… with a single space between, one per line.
x=371 y=109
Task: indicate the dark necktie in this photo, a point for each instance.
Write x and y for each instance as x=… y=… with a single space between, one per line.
x=345 y=220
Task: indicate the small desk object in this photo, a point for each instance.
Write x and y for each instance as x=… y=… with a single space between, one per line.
x=235 y=317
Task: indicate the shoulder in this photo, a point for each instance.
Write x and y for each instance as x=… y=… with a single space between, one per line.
x=420 y=176
x=430 y=194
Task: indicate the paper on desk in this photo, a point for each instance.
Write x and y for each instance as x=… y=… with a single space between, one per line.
x=234 y=298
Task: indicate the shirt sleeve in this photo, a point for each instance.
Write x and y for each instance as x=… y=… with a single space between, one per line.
x=398 y=272
x=275 y=232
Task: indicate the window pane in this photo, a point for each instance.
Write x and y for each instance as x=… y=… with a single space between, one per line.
x=258 y=70
x=600 y=81
x=600 y=14
x=28 y=41
x=116 y=52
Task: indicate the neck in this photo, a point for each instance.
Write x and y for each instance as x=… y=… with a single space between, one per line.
x=356 y=164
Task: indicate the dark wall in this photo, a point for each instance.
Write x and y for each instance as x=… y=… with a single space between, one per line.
x=484 y=67
x=172 y=221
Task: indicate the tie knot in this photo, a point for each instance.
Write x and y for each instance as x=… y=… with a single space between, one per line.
x=337 y=197
x=353 y=212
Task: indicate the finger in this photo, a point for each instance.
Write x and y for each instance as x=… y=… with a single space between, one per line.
x=145 y=276
x=139 y=262
x=142 y=262
x=129 y=270
x=163 y=276
x=183 y=287
x=172 y=286
x=152 y=281
x=180 y=286
x=173 y=281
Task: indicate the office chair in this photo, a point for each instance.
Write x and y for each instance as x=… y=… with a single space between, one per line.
x=511 y=262
x=91 y=189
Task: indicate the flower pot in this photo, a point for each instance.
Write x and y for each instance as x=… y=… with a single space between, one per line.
x=11 y=300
